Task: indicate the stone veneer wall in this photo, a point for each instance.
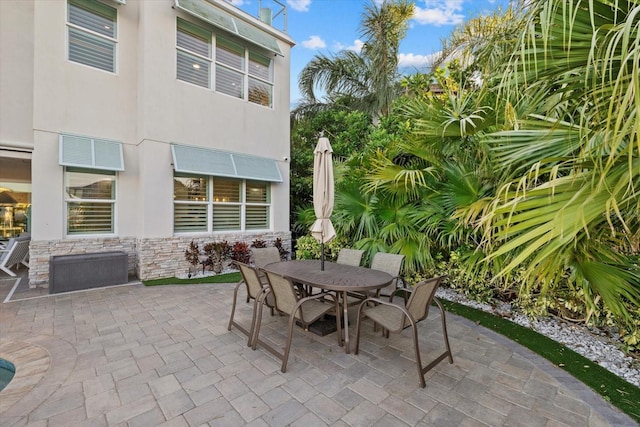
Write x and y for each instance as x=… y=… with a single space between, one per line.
x=147 y=258
x=164 y=257
x=40 y=252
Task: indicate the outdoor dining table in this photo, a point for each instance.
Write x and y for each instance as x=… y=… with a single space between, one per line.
x=339 y=278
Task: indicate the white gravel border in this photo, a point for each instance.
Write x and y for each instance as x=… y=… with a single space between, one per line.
x=593 y=344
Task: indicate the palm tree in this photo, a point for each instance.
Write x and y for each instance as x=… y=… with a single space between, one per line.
x=483 y=42
x=548 y=158
x=365 y=81
x=569 y=206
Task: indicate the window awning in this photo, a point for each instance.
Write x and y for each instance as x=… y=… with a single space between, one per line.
x=207 y=161
x=206 y=11
x=92 y=153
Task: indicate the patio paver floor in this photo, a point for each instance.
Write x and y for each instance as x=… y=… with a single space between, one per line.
x=152 y=356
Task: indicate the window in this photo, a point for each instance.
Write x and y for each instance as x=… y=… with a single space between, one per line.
x=205 y=204
x=90 y=197
x=257 y=205
x=230 y=68
x=239 y=72
x=260 y=80
x=194 y=54
x=92 y=30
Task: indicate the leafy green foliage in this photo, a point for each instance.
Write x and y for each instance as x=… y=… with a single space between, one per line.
x=514 y=170
x=347 y=134
x=308 y=247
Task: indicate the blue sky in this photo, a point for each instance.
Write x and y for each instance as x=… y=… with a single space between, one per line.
x=328 y=26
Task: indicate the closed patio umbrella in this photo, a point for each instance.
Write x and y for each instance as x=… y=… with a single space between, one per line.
x=322 y=229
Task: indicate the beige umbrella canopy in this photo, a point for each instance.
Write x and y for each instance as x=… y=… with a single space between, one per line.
x=322 y=229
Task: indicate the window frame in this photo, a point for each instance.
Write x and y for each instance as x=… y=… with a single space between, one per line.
x=195 y=31
x=216 y=63
x=92 y=7
x=211 y=203
x=112 y=202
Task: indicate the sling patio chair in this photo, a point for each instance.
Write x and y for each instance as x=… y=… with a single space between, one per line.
x=300 y=310
x=262 y=257
x=395 y=318
x=392 y=264
x=389 y=263
x=14 y=253
x=256 y=291
x=350 y=256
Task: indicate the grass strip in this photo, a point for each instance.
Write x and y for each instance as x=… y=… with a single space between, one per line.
x=620 y=393
x=218 y=278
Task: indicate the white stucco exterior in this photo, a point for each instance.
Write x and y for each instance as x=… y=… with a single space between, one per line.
x=142 y=105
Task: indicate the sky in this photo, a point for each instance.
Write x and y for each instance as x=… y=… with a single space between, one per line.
x=329 y=26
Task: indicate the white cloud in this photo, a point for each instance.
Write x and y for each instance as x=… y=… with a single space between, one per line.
x=410 y=60
x=314 y=43
x=439 y=12
x=299 y=5
x=356 y=46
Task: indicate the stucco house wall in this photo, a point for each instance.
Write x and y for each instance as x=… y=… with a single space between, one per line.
x=143 y=106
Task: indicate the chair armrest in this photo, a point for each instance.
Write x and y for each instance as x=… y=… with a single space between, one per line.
x=390 y=304
x=316 y=296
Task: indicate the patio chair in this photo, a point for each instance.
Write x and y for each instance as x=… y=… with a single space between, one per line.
x=389 y=263
x=395 y=318
x=301 y=310
x=392 y=264
x=256 y=291
x=14 y=253
x=350 y=257
x=262 y=257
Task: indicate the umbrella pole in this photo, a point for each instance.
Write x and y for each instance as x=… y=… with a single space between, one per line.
x=321 y=256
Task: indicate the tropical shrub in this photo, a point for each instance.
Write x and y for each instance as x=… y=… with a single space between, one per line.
x=258 y=243
x=240 y=252
x=192 y=254
x=284 y=253
x=217 y=253
x=307 y=247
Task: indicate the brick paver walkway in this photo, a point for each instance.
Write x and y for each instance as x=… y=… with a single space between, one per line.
x=162 y=356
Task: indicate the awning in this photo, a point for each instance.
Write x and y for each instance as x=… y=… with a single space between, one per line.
x=207 y=161
x=92 y=153
x=206 y=11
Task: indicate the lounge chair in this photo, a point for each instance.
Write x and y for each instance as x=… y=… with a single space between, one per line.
x=15 y=252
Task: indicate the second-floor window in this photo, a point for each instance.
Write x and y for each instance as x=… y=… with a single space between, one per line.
x=92 y=34
x=229 y=68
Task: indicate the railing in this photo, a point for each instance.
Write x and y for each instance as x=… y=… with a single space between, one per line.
x=273 y=10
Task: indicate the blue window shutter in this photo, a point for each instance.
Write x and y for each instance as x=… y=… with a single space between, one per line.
x=91 y=153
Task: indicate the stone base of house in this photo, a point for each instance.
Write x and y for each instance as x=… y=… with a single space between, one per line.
x=147 y=258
